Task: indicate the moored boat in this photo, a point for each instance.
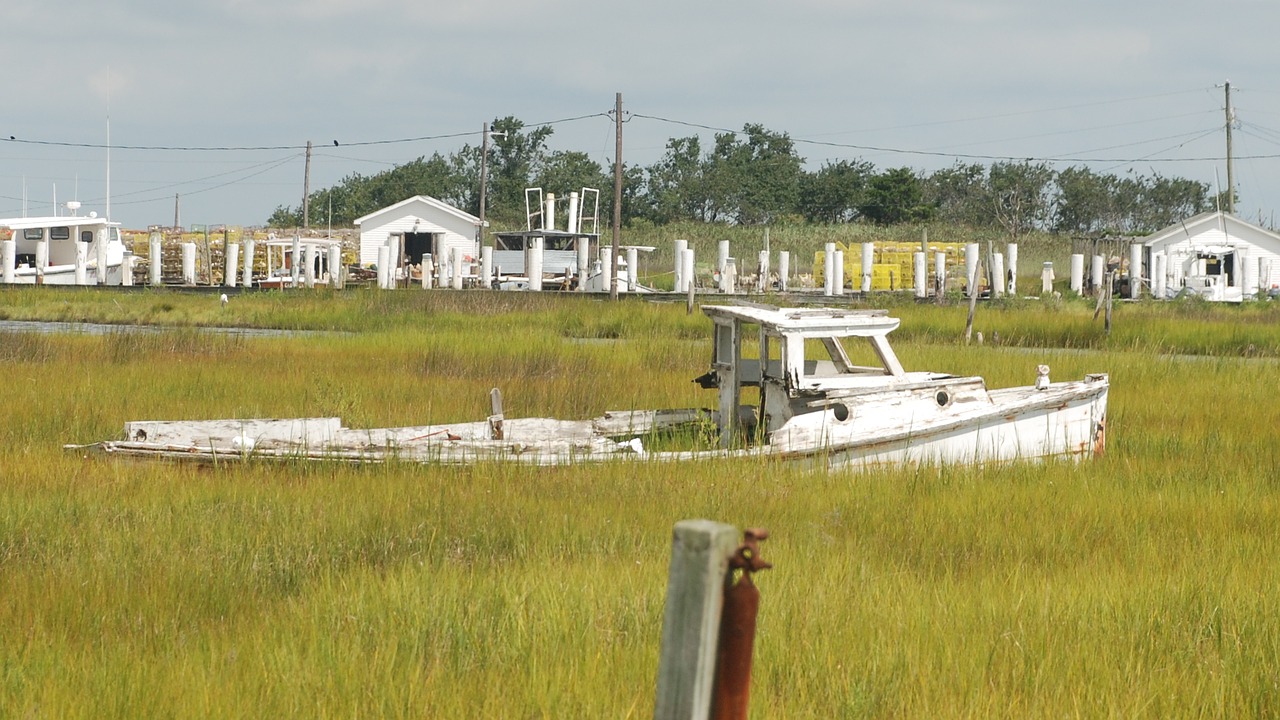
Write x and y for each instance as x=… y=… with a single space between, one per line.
x=62 y=250
x=801 y=392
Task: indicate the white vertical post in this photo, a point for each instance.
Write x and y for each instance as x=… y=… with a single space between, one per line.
x=384 y=266
x=997 y=271
x=126 y=268
x=246 y=275
x=535 y=264
x=700 y=552
x=606 y=262
x=1248 y=276
x=188 y=263
x=837 y=273
x=868 y=259
x=971 y=267
x=762 y=272
x=428 y=271
x=1013 y=268
x=633 y=265
x=1046 y=278
x=1097 y=271
x=486 y=267
x=1135 y=271
x=335 y=267
x=456 y=255
x=921 y=268
x=82 y=261
x=295 y=263
x=155 y=257
x=102 y=257
x=549 y=213
x=939 y=273
x=1159 y=279
x=8 y=257
x=686 y=272
x=309 y=265
x=829 y=269
x=1077 y=274
x=722 y=255
x=681 y=246
x=233 y=263
x=583 y=246
x=784 y=269
x=573 y=213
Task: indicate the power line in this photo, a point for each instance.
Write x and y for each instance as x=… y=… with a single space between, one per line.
x=259 y=148
x=963 y=156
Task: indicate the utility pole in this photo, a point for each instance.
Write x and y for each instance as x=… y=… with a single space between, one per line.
x=617 y=200
x=176 y=216
x=306 y=191
x=1231 y=188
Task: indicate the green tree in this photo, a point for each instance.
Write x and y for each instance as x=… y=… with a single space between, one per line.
x=834 y=192
x=960 y=195
x=753 y=180
x=516 y=158
x=674 y=186
x=895 y=196
x=1019 y=194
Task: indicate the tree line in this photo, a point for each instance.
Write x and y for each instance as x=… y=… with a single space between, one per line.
x=756 y=177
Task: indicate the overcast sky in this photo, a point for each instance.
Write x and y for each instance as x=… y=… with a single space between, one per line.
x=922 y=83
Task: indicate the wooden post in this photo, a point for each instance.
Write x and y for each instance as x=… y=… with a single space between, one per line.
x=700 y=552
x=495 y=414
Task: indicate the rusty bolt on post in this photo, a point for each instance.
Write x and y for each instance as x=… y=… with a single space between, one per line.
x=738 y=630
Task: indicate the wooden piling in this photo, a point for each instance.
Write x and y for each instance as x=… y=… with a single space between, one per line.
x=700 y=552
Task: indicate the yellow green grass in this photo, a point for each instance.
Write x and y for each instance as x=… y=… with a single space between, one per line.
x=1139 y=585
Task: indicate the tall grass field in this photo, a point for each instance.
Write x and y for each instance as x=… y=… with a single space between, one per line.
x=1143 y=584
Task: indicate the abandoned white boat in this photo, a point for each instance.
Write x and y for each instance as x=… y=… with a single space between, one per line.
x=829 y=411
x=62 y=250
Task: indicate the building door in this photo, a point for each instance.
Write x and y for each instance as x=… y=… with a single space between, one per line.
x=417 y=244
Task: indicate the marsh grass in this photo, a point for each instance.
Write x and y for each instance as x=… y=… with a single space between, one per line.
x=1138 y=585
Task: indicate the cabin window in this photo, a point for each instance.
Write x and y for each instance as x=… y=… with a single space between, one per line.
x=843 y=358
x=33 y=234
x=59 y=233
x=724 y=344
x=86 y=236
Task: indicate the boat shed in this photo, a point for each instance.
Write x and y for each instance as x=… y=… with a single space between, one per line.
x=1216 y=255
x=418 y=226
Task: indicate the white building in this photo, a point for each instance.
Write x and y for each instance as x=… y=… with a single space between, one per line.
x=1214 y=254
x=418 y=226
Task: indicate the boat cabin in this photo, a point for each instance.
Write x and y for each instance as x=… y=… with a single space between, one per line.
x=59 y=236
x=801 y=360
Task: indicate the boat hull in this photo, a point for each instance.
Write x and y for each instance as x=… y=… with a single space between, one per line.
x=1065 y=420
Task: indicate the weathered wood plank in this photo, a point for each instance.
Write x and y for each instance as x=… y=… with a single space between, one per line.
x=700 y=551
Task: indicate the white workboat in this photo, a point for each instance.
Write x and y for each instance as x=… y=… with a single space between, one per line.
x=829 y=411
x=62 y=250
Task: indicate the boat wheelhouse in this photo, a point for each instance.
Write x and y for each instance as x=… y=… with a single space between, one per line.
x=63 y=250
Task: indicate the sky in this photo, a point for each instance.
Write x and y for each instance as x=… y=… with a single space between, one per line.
x=214 y=101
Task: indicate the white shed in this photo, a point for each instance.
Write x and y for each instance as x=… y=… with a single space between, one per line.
x=1216 y=255
x=424 y=224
